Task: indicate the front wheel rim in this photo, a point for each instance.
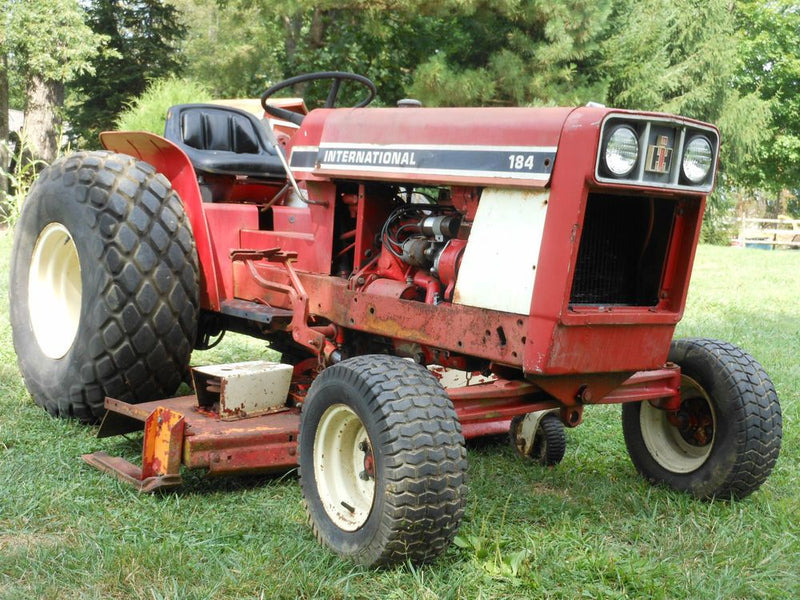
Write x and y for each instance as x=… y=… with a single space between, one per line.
x=670 y=444
x=344 y=467
x=54 y=291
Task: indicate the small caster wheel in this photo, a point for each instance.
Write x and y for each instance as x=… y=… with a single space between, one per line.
x=539 y=436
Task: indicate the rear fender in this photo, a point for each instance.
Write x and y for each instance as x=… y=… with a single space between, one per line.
x=169 y=160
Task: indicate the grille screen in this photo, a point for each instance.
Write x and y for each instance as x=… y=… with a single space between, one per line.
x=622 y=250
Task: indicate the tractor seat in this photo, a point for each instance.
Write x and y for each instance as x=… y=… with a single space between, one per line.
x=223 y=140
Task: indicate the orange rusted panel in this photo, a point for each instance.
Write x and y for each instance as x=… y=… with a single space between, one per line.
x=163 y=439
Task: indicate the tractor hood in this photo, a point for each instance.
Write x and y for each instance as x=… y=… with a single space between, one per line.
x=467 y=146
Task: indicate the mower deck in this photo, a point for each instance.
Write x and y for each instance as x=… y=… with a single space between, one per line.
x=264 y=443
x=179 y=431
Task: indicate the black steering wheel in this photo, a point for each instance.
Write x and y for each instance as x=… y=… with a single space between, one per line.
x=330 y=102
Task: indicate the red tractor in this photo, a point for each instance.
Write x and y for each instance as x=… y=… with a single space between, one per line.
x=543 y=252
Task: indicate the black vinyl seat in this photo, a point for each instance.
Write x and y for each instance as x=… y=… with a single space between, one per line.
x=223 y=140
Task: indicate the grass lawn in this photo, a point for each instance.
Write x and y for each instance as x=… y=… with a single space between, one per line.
x=589 y=528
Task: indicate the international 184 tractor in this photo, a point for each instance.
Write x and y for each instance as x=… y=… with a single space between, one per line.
x=542 y=253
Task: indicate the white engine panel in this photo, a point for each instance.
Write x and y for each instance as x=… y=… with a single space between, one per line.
x=498 y=271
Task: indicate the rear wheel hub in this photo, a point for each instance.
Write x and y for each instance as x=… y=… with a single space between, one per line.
x=54 y=291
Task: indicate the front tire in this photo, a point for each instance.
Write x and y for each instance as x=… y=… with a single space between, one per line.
x=724 y=440
x=382 y=461
x=104 y=285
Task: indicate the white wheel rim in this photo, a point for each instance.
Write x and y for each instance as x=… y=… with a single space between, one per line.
x=54 y=291
x=344 y=467
x=664 y=441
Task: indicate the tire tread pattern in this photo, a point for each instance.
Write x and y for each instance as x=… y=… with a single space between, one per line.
x=425 y=459
x=143 y=324
x=552 y=429
x=754 y=409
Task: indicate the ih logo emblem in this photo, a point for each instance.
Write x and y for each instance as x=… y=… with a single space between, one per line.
x=659 y=156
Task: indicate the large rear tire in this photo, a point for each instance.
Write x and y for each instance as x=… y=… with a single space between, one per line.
x=382 y=461
x=724 y=440
x=104 y=285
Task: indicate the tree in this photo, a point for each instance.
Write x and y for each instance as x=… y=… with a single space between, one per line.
x=143 y=36
x=243 y=46
x=681 y=56
x=49 y=43
x=233 y=49
x=515 y=52
x=771 y=70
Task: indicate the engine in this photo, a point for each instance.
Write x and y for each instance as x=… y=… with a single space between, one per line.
x=422 y=245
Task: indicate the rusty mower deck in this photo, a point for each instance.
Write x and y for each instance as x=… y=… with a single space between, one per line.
x=201 y=434
x=178 y=431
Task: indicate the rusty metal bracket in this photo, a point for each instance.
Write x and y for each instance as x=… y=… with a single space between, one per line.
x=661 y=387
x=301 y=332
x=161 y=454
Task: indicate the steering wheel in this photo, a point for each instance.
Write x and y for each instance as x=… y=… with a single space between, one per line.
x=337 y=76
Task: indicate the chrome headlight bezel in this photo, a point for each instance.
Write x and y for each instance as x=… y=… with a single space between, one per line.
x=697 y=163
x=661 y=156
x=621 y=151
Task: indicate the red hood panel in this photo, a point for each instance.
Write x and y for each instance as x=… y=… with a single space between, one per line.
x=457 y=126
x=515 y=146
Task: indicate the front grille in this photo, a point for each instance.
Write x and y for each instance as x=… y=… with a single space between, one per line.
x=622 y=250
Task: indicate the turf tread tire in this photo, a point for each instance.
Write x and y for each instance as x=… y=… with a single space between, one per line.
x=749 y=423
x=139 y=275
x=420 y=460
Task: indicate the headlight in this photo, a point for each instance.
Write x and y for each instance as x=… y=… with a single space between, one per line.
x=622 y=151
x=697 y=159
x=659 y=151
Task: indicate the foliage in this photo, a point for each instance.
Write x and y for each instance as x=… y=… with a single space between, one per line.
x=718 y=226
x=793 y=205
x=233 y=48
x=771 y=70
x=21 y=174
x=385 y=45
x=143 y=35
x=148 y=111
x=516 y=52
x=681 y=57
x=243 y=47
x=49 y=39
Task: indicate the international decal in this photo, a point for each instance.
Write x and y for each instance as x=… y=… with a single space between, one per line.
x=370 y=157
x=659 y=156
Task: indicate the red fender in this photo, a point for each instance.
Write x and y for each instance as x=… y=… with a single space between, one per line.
x=169 y=160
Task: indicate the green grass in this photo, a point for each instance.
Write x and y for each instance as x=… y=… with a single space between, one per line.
x=589 y=528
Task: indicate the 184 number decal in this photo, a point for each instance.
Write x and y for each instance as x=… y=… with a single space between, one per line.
x=518 y=162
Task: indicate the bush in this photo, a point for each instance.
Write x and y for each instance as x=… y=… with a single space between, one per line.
x=19 y=173
x=148 y=111
x=719 y=220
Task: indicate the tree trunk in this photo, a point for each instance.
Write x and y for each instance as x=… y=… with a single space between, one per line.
x=292 y=26
x=43 y=102
x=317 y=29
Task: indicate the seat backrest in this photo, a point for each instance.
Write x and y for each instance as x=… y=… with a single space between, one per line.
x=222 y=140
